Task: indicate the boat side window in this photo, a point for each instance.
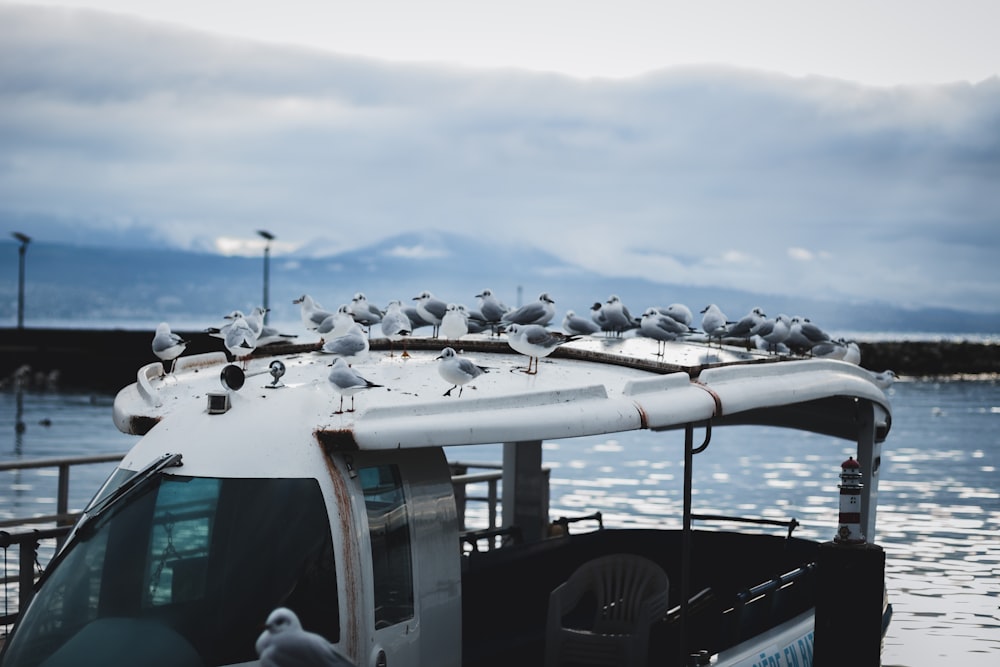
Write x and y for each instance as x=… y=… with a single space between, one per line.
x=389 y=526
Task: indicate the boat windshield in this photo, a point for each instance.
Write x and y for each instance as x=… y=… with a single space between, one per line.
x=185 y=573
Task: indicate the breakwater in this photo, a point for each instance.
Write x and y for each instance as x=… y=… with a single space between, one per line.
x=107 y=360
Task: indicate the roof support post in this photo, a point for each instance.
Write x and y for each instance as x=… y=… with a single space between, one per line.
x=870 y=458
x=525 y=489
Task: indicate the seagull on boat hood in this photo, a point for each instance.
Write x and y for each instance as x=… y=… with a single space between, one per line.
x=661 y=328
x=395 y=324
x=744 y=327
x=364 y=313
x=679 y=312
x=773 y=332
x=458 y=370
x=538 y=312
x=616 y=317
x=581 y=326
x=455 y=322
x=312 y=313
x=167 y=345
x=431 y=309
x=347 y=382
x=338 y=323
x=803 y=335
x=491 y=307
x=713 y=322
x=535 y=341
x=353 y=343
x=285 y=644
x=266 y=335
x=240 y=339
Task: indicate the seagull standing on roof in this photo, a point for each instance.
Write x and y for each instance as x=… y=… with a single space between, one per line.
x=661 y=328
x=457 y=370
x=240 y=339
x=364 y=313
x=538 y=312
x=431 y=309
x=396 y=325
x=167 y=345
x=455 y=322
x=347 y=382
x=312 y=313
x=337 y=324
x=679 y=312
x=491 y=308
x=714 y=323
x=351 y=344
x=285 y=644
x=773 y=332
x=266 y=335
x=803 y=335
x=616 y=316
x=534 y=341
x=581 y=326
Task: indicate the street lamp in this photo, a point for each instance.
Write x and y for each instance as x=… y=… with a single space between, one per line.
x=25 y=240
x=268 y=237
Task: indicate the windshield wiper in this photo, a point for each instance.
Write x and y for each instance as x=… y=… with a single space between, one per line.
x=126 y=489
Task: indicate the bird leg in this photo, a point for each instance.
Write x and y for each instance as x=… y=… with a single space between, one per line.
x=448 y=393
x=341 y=410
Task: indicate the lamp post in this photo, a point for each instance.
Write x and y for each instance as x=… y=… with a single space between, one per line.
x=268 y=237
x=25 y=240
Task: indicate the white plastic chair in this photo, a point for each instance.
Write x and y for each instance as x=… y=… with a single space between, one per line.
x=629 y=594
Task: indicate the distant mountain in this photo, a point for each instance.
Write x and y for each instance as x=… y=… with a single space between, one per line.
x=82 y=286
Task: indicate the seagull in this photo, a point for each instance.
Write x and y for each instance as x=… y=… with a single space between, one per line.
x=364 y=313
x=353 y=343
x=396 y=325
x=581 y=326
x=884 y=379
x=597 y=315
x=457 y=370
x=679 y=312
x=338 y=323
x=713 y=322
x=240 y=339
x=773 y=332
x=830 y=349
x=661 y=328
x=743 y=327
x=285 y=644
x=535 y=341
x=167 y=345
x=803 y=335
x=455 y=322
x=853 y=355
x=312 y=313
x=477 y=323
x=431 y=309
x=346 y=381
x=616 y=316
x=491 y=307
x=266 y=335
x=538 y=312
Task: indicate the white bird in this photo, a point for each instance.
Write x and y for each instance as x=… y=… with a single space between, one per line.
x=455 y=322
x=364 y=313
x=616 y=316
x=338 y=323
x=353 y=343
x=266 y=335
x=803 y=335
x=431 y=309
x=538 y=312
x=312 y=313
x=713 y=322
x=679 y=312
x=743 y=327
x=396 y=325
x=240 y=339
x=347 y=382
x=167 y=345
x=661 y=328
x=853 y=355
x=829 y=349
x=458 y=370
x=284 y=643
x=535 y=341
x=491 y=307
x=885 y=379
x=574 y=324
x=773 y=331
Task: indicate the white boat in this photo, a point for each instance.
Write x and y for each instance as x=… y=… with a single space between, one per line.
x=250 y=490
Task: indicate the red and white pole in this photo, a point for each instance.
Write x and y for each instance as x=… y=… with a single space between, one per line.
x=849 y=530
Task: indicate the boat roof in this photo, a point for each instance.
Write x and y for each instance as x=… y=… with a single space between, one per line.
x=589 y=386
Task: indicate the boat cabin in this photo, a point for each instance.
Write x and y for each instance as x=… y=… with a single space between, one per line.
x=255 y=486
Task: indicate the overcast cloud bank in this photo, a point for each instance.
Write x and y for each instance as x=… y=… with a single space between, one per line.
x=117 y=130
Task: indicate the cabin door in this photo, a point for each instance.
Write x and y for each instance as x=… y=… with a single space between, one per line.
x=415 y=570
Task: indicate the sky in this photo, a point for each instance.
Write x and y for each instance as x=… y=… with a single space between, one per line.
x=848 y=149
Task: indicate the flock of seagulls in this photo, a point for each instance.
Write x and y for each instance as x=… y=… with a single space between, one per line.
x=345 y=333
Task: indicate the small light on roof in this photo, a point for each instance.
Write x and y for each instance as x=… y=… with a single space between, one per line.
x=218 y=402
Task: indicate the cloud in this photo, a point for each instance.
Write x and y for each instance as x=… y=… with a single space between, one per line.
x=694 y=175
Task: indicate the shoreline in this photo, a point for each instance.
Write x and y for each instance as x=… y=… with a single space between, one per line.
x=107 y=360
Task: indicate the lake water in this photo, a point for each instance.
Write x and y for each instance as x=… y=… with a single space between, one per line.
x=939 y=496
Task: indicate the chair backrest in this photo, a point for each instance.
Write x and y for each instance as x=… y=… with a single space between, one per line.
x=628 y=588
